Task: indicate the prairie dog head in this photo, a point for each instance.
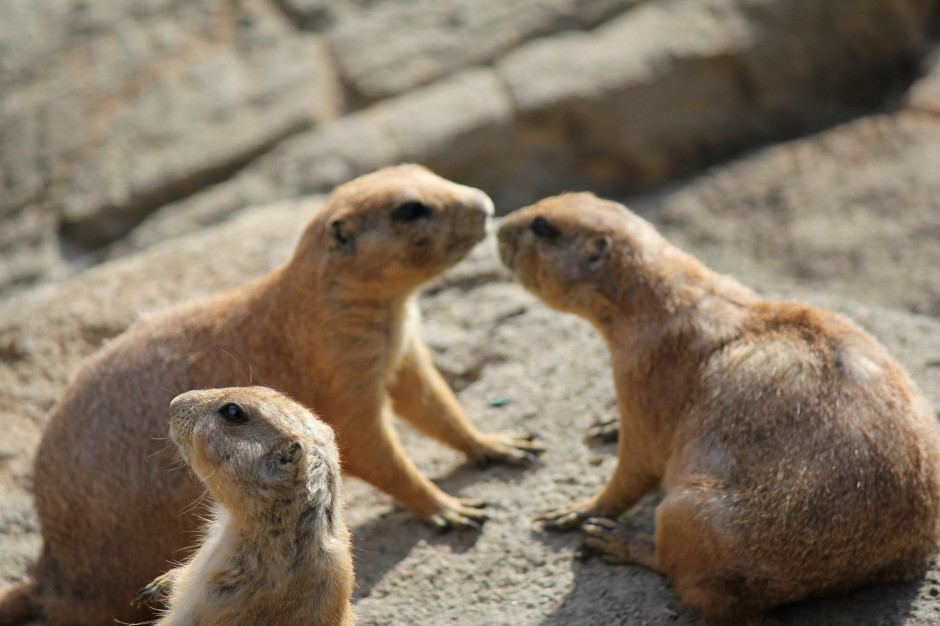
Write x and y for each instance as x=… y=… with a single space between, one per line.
x=253 y=447
x=577 y=252
x=388 y=232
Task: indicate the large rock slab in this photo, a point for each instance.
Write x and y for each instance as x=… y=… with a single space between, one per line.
x=493 y=341
x=109 y=110
x=397 y=46
x=854 y=210
x=669 y=86
x=662 y=88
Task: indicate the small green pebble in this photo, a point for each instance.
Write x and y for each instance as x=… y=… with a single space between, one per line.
x=500 y=401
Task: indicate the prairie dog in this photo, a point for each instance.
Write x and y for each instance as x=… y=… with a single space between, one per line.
x=277 y=548
x=797 y=457
x=335 y=327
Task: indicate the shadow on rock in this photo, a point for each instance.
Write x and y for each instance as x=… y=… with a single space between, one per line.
x=619 y=594
x=380 y=544
x=885 y=605
x=605 y=594
x=624 y=594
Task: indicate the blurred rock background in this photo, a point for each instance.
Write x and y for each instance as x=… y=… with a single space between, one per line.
x=150 y=149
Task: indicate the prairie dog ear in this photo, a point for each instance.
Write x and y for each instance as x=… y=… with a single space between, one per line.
x=343 y=236
x=291 y=453
x=596 y=251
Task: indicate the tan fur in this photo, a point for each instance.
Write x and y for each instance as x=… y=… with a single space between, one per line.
x=335 y=328
x=797 y=456
x=277 y=550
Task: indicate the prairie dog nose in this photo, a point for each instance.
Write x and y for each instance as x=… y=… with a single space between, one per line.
x=176 y=404
x=480 y=201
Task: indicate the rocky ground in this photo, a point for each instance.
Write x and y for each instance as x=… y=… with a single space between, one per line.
x=792 y=143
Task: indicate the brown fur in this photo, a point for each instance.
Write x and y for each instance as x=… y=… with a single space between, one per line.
x=335 y=328
x=797 y=456
x=18 y=602
x=277 y=550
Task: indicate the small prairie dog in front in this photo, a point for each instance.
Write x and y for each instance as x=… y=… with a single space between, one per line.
x=797 y=457
x=336 y=328
x=277 y=549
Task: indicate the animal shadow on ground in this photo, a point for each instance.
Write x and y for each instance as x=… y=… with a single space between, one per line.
x=626 y=594
x=884 y=605
x=614 y=594
x=382 y=542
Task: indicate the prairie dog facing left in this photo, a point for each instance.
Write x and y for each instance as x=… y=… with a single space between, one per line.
x=797 y=457
x=277 y=549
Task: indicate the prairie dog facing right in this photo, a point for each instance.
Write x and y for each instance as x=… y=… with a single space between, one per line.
x=797 y=457
x=336 y=327
x=277 y=550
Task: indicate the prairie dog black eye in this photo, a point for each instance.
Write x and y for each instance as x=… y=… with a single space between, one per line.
x=233 y=413
x=410 y=211
x=597 y=249
x=543 y=228
x=338 y=231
